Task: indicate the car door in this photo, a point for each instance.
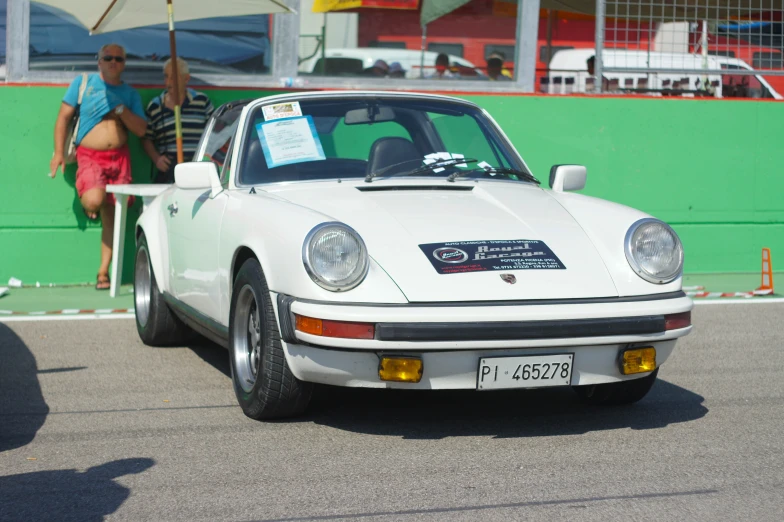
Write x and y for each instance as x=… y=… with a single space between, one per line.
x=194 y=221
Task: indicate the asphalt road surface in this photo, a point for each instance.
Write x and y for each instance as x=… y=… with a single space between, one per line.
x=94 y=425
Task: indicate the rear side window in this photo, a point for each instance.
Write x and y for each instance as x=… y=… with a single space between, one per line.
x=218 y=136
x=454 y=49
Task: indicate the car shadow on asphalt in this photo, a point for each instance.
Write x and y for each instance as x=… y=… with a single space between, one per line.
x=211 y=353
x=68 y=494
x=502 y=414
x=23 y=409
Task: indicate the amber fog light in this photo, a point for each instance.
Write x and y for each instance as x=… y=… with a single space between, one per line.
x=400 y=369
x=638 y=360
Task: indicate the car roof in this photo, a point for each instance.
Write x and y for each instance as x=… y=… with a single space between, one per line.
x=369 y=55
x=574 y=59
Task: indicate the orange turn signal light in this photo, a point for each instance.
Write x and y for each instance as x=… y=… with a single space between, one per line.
x=327 y=328
x=676 y=321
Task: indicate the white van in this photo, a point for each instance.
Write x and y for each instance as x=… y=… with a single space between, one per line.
x=351 y=62
x=569 y=73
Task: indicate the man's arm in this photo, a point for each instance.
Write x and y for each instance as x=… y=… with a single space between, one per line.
x=149 y=148
x=136 y=124
x=60 y=130
x=159 y=160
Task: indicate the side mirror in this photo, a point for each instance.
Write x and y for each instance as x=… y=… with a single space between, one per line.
x=198 y=175
x=565 y=178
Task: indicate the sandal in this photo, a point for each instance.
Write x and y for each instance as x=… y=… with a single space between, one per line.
x=101 y=281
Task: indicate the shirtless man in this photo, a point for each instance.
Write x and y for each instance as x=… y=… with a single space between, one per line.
x=110 y=108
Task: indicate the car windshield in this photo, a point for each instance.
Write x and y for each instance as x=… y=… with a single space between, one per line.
x=373 y=138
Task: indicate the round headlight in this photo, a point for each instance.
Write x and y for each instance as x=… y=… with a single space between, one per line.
x=335 y=257
x=654 y=251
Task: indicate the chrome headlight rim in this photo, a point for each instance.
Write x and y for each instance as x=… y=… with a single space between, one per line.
x=627 y=244
x=314 y=275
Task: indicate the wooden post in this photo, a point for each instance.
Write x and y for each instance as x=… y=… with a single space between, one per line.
x=176 y=80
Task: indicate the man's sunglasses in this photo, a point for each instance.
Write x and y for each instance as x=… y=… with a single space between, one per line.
x=118 y=59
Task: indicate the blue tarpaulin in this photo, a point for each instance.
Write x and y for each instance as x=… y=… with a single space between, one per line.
x=761 y=33
x=234 y=41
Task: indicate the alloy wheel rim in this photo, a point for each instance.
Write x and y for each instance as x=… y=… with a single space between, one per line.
x=142 y=282
x=246 y=344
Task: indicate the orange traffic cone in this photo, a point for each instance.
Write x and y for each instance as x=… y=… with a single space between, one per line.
x=767 y=274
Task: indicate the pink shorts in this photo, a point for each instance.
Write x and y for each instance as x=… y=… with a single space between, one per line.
x=98 y=168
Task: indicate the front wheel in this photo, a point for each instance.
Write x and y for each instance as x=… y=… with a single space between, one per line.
x=626 y=392
x=156 y=323
x=263 y=382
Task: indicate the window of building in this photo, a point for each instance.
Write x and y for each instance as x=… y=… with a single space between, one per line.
x=507 y=51
x=3 y=39
x=728 y=54
x=389 y=42
x=768 y=60
x=446 y=48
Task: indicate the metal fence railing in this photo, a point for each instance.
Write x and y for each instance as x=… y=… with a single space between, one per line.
x=310 y=46
x=699 y=47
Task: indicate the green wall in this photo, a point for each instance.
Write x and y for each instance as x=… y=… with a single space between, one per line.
x=709 y=168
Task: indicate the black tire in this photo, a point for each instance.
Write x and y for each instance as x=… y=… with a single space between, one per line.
x=156 y=323
x=262 y=379
x=616 y=393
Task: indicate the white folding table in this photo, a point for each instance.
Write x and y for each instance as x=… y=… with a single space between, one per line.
x=148 y=192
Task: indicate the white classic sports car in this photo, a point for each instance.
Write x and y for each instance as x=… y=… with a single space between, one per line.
x=396 y=240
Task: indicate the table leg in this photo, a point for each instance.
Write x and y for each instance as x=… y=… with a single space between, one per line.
x=118 y=242
x=146 y=200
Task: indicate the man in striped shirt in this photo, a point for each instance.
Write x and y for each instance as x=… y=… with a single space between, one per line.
x=160 y=142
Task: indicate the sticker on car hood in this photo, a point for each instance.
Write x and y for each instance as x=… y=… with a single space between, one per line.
x=459 y=257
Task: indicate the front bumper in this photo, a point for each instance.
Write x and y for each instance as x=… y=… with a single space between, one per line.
x=451 y=338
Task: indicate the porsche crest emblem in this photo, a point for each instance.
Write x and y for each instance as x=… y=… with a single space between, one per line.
x=509 y=278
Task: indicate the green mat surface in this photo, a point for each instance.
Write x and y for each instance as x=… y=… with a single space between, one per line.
x=52 y=299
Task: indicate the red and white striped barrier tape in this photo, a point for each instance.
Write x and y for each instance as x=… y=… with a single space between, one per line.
x=104 y=311
x=730 y=294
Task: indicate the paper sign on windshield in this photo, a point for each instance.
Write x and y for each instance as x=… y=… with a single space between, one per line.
x=292 y=140
x=459 y=257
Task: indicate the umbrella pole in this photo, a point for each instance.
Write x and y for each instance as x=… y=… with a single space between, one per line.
x=176 y=81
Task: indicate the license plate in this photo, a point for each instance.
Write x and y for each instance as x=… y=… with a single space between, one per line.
x=530 y=371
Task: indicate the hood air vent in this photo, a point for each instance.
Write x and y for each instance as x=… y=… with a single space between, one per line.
x=443 y=188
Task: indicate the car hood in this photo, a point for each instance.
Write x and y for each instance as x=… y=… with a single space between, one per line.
x=404 y=224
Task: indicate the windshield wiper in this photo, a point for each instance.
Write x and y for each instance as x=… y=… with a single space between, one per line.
x=507 y=171
x=424 y=168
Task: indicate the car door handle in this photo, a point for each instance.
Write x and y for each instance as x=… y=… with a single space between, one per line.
x=172 y=209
